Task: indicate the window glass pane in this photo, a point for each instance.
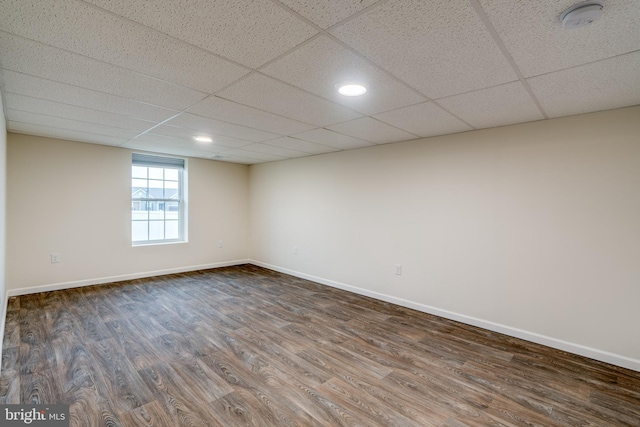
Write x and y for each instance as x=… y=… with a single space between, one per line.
x=171 y=190
x=155 y=189
x=171 y=230
x=139 y=210
x=139 y=231
x=172 y=210
x=156 y=230
x=139 y=172
x=156 y=173
x=139 y=188
x=156 y=210
x=171 y=174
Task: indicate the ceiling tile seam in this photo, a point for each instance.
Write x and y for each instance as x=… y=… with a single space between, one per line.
x=303 y=140
x=358 y=14
x=72 y=120
x=277 y=155
x=153 y=127
x=79 y=121
x=184 y=42
x=79 y=106
x=232 y=123
x=85 y=88
x=104 y=62
x=64 y=128
x=505 y=52
x=189 y=128
x=583 y=64
x=346 y=46
x=66 y=138
x=395 y=127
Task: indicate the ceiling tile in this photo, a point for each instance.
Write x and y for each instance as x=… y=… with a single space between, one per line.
x=496 y=106
x=68 y=134
x=252 y=155
x=372 y=130
x=69 y=124
x=265 y=93
x=57 y=109
x=158 y=143
x=273 y=150
x=93 y=32
x=322 y=64
x=533 y=33
x=300 y=145
x=325 y=13
x=332 y=139
x=60 y=92
x=249 y=32
x=440 y=47
x=229 y=111
x=212 y=127
x=40 y=60
x=603 y=85
x=426 y=119
x=187 y=135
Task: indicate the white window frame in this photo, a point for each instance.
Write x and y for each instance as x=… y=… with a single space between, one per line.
x=147 y=160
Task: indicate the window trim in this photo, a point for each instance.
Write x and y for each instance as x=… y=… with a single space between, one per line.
x=165 y=162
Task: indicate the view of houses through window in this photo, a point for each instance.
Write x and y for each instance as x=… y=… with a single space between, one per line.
x=156 y=199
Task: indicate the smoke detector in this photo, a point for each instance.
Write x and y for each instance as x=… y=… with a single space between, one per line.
x=581 y=14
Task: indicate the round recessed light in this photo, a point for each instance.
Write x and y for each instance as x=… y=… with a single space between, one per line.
x=203 y=138
x=352 y=89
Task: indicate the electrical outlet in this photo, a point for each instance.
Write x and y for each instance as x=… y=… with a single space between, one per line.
x=295 y=250
x=398 y=270
x=55 y=258
x=220 y=245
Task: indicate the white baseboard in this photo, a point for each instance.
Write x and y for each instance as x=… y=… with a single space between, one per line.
x=593 y=353
x=111 y=279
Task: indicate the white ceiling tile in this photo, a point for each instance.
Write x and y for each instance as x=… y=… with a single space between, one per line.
x=323 y=63
x=300 y=145
x=69 y=124
x=187 y=134
x=252 y=155
x=71 y=135
x=212 y=127
x=249 y=32
x=440 y=47
x=533 y=33
x=495 y=106
x=372 y=130
x=93 y=32
x=155 y=142
x=332 y=139
x=265 y=93
x=40 y=60
x=426 y=119
x=603 y=85
x=60 y=92
x=229 y=111
x=273 y=150
x=325 y=13
x=155 y=146
x=57 y=109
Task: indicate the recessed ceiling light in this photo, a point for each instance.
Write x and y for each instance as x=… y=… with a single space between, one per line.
x=352 y=89
x=203 y=138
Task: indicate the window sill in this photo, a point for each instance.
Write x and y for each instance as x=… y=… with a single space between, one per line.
x=158 y=242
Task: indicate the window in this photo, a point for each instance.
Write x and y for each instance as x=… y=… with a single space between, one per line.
x=157 y=199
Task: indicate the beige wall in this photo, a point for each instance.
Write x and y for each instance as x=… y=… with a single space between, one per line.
x=3 y=204
x=532 y=229
x=74 y=199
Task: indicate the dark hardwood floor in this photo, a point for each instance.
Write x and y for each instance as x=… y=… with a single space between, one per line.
x=246 y=346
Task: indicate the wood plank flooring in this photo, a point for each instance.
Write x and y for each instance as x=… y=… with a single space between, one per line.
x=246 y=346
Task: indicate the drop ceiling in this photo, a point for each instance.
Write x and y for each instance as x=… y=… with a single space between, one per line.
x=260 y=76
